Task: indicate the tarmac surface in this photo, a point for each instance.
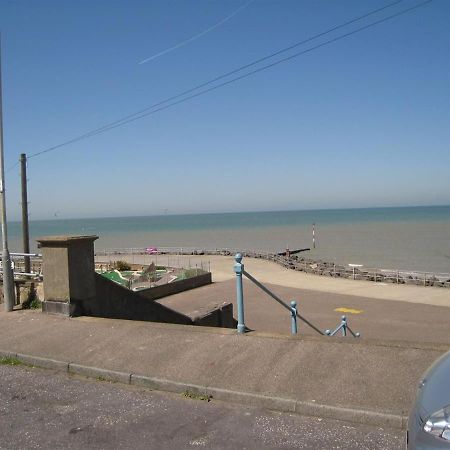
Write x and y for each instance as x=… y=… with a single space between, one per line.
x=376 y=310
x=373 y=318
x=45 y=409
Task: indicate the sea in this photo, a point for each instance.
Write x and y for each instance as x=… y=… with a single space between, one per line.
x=406 y=238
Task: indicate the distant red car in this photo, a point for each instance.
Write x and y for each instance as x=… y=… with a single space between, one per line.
x=151 y=250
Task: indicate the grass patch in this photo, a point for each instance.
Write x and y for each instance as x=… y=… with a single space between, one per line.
x=105 y=380
x=10 y=361
x=32 y=301
x=194 y=396
x=35 y=304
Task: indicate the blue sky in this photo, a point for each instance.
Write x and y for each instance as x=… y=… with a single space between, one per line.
x=361 y=122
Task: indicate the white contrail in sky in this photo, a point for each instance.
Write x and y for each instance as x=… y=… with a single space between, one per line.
x=196 y=36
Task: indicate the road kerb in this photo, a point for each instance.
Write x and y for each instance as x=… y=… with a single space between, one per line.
x=7 y=354
x=160 y=384
x=361 y=416
x=46 y=363
x=102 y=374
x=258 y=400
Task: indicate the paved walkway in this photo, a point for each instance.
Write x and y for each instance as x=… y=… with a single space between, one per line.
x=357 y=380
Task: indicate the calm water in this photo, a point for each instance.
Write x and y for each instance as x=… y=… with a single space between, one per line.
x=399 y=238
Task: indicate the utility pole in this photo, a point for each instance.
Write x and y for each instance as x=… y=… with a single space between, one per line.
x=25 y=227
x=8 y=275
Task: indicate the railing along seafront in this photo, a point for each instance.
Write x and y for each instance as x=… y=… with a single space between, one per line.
x=301 y=264
x=292 y=308
x=106 y=260
x=25 y=266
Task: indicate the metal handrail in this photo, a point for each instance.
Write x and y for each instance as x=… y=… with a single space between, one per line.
x=281 y=302
x=241 y=328
x=15 y=265
x=35 y=255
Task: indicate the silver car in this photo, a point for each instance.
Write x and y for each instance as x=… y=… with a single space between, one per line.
x=429 y=421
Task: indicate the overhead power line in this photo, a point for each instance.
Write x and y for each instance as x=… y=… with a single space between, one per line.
x=232 y=72
x=125 y=119
x=160 y=106
x=213 y=80
x=12 y=167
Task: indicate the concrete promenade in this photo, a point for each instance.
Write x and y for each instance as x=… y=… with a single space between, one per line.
x=373 y=318
x=366 y=381
x=377 y=310
x=270 y=272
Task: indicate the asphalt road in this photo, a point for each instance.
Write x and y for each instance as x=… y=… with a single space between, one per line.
x=44 y=409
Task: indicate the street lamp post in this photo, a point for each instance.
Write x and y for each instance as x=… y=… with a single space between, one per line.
x=8 y=275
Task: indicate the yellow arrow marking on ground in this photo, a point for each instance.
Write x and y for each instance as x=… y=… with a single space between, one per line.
x=349 y=310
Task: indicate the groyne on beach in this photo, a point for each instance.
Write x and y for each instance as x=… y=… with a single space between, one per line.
x=302 y=264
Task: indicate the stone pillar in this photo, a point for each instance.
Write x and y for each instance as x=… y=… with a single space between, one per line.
x=69 y=273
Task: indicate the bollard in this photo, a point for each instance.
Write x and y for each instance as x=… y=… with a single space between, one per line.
x=239 y=269
x=344 y=326
x=293 y=317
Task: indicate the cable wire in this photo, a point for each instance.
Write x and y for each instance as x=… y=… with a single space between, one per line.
x=188 y=91
x=150 y=110
x=225 y=75
x=12 y=167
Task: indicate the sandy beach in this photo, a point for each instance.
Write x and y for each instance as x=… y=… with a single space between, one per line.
x=269 y=272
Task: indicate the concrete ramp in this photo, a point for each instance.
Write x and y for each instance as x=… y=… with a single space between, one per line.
x=117 y=302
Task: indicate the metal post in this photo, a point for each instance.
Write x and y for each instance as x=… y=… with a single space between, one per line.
x=25 y=227
x=238 y=270
x=293 y=317
x=8 y=275
x=344 y=326
x=314 y=235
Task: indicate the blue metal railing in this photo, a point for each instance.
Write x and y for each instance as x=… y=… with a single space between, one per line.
x=292 y=308
x=343 y=327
